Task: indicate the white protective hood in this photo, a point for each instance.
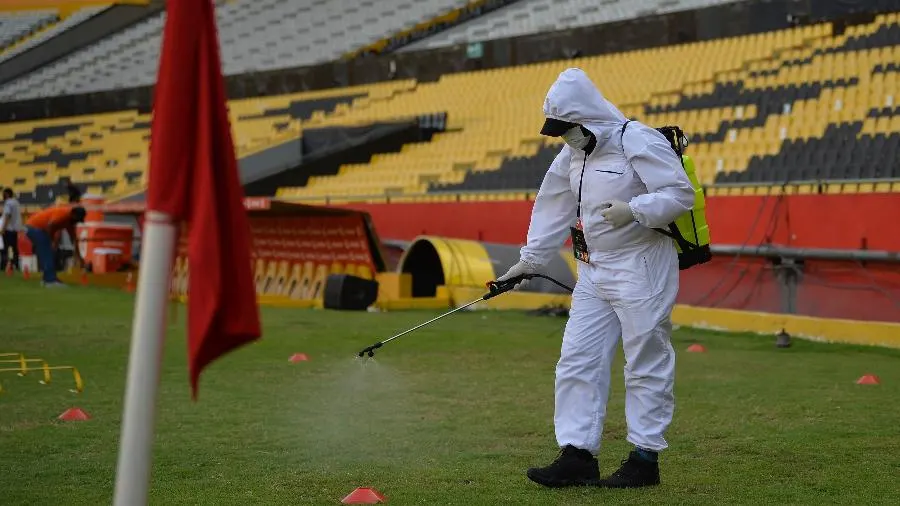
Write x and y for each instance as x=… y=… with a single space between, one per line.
x=574 y=98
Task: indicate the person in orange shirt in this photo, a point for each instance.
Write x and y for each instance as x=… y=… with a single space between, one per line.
x=42 y=229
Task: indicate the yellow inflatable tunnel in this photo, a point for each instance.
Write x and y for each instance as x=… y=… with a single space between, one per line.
x=465 y=267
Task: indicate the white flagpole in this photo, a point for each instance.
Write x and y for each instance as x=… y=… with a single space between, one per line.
x=147 y=339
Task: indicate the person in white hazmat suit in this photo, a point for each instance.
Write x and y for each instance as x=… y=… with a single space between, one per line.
x=610 y=184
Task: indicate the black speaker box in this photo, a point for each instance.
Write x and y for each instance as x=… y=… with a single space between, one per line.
x=343 y=291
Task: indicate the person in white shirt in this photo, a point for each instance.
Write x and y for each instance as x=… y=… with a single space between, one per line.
x=612 y=182
x=10 y=226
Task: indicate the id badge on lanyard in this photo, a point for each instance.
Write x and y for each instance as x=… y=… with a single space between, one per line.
x=579 y=243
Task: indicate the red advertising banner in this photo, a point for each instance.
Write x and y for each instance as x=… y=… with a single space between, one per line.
x=293 y=255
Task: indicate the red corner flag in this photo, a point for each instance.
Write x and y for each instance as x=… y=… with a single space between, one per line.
x=194 y=177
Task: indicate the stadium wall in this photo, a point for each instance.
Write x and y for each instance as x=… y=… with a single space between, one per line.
x=826 y=288
x=842 y=221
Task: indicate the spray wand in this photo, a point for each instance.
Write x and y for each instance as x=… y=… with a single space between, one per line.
x=495 y=288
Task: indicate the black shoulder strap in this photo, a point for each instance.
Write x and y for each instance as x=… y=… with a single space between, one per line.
x=674 y=233
x=622 y=137
x=624 y=126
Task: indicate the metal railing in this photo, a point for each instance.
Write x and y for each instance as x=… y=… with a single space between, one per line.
x=788 y=266
x=805 y=182
x=387 y=198
x=784 y=252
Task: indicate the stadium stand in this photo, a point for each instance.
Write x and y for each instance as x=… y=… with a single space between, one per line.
x=17 y=26
x=814 y=117
x=493 y=116
x=801 y=105
x=533 y=16
x=427 y=28
x=51 y=25
x=107 y=154
x=254 y=36
x=758 y=108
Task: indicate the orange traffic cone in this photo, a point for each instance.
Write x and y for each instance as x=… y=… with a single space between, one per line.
x=364 y=495
x=868 y=379
x=74 y=415
x=84 y=278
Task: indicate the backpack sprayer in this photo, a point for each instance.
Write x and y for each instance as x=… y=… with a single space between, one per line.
x=495 y=288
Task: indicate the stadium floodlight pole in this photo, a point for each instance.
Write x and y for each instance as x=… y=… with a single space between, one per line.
x=145 y=360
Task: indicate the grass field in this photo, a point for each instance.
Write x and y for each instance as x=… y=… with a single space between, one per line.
x=451 y=414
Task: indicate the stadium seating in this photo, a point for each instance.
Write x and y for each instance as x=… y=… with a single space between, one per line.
x=50 y=25
x=825 y=115
x=496 y=114
x=532 y=16
x=108 y=152
x=799 y=105
x=16 y=26
x=255 y=35
x=821 y=96
x=849 y=89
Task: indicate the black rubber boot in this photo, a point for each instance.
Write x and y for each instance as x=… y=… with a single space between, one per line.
x=573 y=467
x=634 y=472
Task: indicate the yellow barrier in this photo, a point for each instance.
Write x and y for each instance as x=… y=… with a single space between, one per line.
x=79 y=384
x=23 y=366
x=23 y=370
x=833 y=330
x=830 y=330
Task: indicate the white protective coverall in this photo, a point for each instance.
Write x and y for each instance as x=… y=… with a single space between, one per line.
x=630 y=285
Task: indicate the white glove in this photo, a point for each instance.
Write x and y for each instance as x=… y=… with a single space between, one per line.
x=618 y=213
x=520 y=268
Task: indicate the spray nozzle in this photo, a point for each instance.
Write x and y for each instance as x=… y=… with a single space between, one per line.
x=371 y=349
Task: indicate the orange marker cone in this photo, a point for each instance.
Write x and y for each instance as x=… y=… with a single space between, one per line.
x=74 y=415
x=25 y=273
x=696 y=348
x=364 y=495
x=84 y=278
x=298 y=357
x=868 y=379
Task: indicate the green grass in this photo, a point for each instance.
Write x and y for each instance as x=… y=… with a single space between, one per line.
x=451 y=414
